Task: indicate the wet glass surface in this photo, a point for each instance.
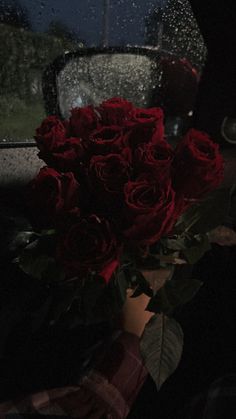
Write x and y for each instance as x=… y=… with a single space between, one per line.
x=33 y=33
x=87 y=80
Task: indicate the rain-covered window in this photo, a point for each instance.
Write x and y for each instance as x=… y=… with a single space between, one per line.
x=33 y=33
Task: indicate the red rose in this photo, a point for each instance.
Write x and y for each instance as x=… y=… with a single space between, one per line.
x=139 y=133
x=155 y=159
x=51 y=134
x=112 y=171
x=50 y=194
x=198 y=166
x=88 y=246
x=66 y=158
x=146 y=125
x=115 y=111
x=150 y=116
x=149 y=209
x=107 y=272
x=83 y=121
x=106 y=140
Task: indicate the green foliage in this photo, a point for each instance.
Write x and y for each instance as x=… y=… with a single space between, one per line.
x=191 y=247
x=173 y=294
x=143 y=286
x=88 y=300
x=190 y=237
x=59 y=30
x=133 y=277
x=198 y=246
x=161 y=347
x=19 y=122
x=110 y=299
x=24 y=56
x=37 y=260
x=14 y=14
x=205 y=215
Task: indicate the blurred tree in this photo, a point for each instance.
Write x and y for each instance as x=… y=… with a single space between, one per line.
x=23 y=57
x=14 y=14
x=61 y=31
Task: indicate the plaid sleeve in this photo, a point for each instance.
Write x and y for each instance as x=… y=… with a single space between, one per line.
x=108 y=391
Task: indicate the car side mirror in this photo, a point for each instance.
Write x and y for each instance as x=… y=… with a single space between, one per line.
x=93 y=75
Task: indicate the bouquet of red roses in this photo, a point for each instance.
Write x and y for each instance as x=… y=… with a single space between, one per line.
x=114 y=197
x=113 y=184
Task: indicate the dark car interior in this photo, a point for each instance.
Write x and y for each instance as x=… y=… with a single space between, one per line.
x=196 y=87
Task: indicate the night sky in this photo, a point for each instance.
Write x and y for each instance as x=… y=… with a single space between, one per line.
x=126 y=18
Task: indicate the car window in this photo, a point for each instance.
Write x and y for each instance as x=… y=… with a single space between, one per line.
x=33 y=33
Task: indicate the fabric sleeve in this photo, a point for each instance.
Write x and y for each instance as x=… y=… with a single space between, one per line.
x=107 y=391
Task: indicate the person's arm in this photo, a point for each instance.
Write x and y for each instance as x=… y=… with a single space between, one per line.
x=120 y=373
x=110 y=388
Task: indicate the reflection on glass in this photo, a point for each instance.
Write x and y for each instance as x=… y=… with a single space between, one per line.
x=90 y=80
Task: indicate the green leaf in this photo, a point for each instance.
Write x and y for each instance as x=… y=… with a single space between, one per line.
x=50 y=232
x=177 y=244
x=39 y=265
x=206 y=214
x=161 y=347
x=138 y=291
x=143 y=286
x=192 y=247
x=199 y=246
x=173 y=294
x=34 y=265
x=142 y=290
x=21 y=240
